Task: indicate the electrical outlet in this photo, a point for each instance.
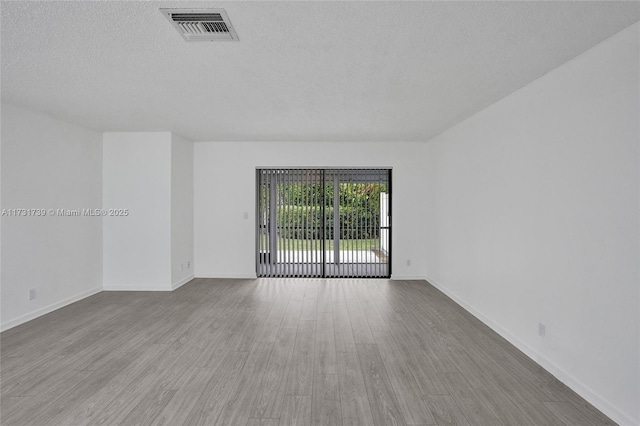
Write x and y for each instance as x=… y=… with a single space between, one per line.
x=32 y=294
x=408 y=262
x=182 y=266
x=245 y=215
x=542 y=329
x=188 y=264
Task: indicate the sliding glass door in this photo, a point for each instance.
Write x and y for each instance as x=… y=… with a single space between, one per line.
x=323 y=223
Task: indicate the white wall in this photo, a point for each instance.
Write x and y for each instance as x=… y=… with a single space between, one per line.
x=535 y=218
x=137 y=177
x=225 y=189
x=48 y=164
x=181 y=210
x=1 y=206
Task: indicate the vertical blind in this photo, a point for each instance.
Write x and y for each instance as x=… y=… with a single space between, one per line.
x=323 y=223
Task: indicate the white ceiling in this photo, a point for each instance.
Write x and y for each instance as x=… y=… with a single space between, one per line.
x=301 y=70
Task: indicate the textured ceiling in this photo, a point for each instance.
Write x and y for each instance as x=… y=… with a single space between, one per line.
x=301 y=70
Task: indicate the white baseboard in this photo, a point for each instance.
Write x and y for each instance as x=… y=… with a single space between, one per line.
x=47 y=309
x=405 y=278
x=124 y=287
x=181 y=282
x=576 y=385
x=229 y=276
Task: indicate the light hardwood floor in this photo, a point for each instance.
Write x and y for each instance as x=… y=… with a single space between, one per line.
x=275 y=352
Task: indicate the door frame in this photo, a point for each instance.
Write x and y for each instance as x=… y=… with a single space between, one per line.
x=272 y=256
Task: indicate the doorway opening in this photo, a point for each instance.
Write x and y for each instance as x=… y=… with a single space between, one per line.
x=323 y=223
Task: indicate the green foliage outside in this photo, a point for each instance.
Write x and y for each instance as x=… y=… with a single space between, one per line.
x=300 y=210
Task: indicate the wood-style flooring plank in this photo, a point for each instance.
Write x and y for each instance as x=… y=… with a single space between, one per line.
x=423 y=371
x=325 y=402
x=325 y=345
x=470 y=404
x=446 y=411
x=263 y=422
x=67 y=401
x=296 y=410
x=149 y=407
x=325 y=291
x=573 y=415
x=385 y=409
x=353 y=393
x=177 y=409
x=408 y=394
x=212 y=400
x=345 y=341
x=271 y=326
x=490 y=393
x=359 y=324
x=292 y=314
x=140 y=370
x=300 y=375
x=433 y=350
x=273 y=386
x=374 y=318
x=275 y=351
x=244 y=393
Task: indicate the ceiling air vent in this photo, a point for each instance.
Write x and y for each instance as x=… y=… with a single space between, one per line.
x=201 y=24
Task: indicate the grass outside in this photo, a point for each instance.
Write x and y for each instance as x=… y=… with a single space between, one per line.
x=306 y=245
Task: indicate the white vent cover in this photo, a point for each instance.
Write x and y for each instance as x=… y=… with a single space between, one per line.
x=201 y=24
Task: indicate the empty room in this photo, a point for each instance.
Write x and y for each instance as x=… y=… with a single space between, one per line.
x=283 y=213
